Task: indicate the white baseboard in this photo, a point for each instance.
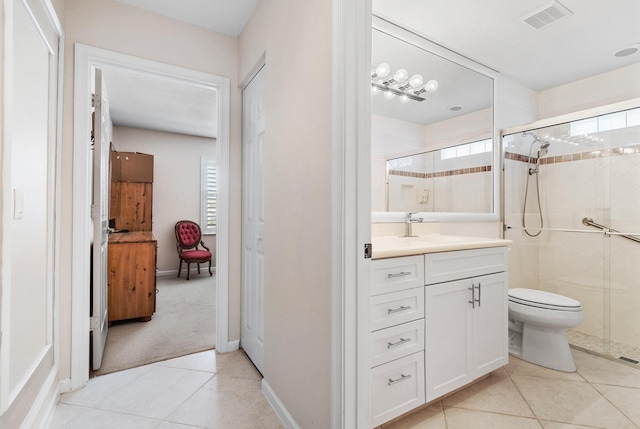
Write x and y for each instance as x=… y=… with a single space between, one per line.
x=41 y=412
x=278 y=406
x=231 y=346
x=174 y=273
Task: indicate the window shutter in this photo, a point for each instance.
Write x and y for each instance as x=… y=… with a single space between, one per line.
x=209 y=218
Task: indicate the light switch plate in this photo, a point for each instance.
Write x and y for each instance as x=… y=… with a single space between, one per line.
x=18 y=204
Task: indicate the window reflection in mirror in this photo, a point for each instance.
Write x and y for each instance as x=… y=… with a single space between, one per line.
x=454 y=179
x=434 y=155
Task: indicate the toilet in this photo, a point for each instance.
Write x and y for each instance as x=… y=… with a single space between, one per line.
x=538 y=322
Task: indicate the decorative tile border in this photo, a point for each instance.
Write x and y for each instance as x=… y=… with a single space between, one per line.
x=627 y=150
x=457 y=172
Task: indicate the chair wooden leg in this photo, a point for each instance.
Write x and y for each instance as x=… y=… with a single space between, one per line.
x=180 y=268
x=210 y=273
x=198 y=267
x=188 y=269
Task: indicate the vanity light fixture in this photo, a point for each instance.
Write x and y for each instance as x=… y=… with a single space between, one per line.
x=400 y=84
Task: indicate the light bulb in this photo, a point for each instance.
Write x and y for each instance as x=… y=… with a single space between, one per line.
x=383 y=70
x=416 y=80
x=404 y=99
x=400 y=76
x=375 y=90
x=388 y=95
x=431 y=86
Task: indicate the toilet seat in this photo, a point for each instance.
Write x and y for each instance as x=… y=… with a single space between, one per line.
x=542 y=299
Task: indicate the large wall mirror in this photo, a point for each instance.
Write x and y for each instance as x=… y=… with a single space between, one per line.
x=433 y=139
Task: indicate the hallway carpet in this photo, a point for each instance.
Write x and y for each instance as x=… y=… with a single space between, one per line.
x=184 y=323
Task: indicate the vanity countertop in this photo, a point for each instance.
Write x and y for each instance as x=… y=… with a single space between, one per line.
x=393 y=246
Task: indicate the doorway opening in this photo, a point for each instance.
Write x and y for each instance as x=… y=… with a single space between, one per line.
x=86 y=59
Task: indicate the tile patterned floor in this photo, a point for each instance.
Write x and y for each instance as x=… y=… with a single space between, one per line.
x=203 y=390
x=601 y=394
x=206 y=390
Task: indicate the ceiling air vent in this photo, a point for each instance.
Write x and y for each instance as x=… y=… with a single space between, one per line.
x=546 y=15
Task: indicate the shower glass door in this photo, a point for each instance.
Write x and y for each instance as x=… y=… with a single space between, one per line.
x=577 y=232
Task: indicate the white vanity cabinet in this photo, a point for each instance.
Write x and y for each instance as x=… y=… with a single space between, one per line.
x=396 y=347
x=465 y=317
x=420 y=353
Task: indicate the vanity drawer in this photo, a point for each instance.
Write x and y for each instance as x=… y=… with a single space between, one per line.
x=396 y=387
x=461 y=264
x=395 y=308
x=394 y=274
x=396 y=342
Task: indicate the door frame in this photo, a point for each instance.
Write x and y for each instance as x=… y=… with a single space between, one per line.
x=351 y=213
x=87 y=57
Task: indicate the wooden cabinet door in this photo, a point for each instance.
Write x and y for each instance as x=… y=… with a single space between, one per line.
x=131 y=205
x=132 y=290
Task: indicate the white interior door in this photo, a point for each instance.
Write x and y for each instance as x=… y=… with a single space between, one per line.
x=100 y=216
x=253 y=129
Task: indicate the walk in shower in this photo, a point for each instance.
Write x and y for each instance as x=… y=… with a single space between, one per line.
x=572 y=208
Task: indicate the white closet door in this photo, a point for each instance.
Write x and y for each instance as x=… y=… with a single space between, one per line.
x=253 y=131
x=100 y=216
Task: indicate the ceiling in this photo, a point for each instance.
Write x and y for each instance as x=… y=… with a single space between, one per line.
x=493 y=33
x=490 y=32
x=153 y=102
x=223 y=16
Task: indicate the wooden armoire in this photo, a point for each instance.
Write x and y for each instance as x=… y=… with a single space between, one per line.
x=132 y=247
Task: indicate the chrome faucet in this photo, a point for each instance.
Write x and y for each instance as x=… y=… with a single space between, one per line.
x=409 y=220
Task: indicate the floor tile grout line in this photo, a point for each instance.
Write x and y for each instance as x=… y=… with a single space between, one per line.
x=175 y=409
x=522 y=396
x=120 y=413
x=612 y=404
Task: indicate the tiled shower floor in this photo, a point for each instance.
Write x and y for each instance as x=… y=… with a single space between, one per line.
x=596 y=344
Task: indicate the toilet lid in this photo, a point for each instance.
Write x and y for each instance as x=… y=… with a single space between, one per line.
x=540 y=298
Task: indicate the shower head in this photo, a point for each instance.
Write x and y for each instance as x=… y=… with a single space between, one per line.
x=544 y=145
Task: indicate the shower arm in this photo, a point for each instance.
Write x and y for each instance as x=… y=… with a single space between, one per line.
x=589 y=222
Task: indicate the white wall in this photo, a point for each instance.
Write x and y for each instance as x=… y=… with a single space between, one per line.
x=114 y=26
x=296 y=36
x=176 y=183
x=28 y=373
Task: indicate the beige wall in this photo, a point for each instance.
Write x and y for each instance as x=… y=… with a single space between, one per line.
x=606 y=88
x=176 y=183
x=114 y=26
x=296 y=36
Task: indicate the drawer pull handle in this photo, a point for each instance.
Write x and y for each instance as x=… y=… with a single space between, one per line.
x=402 y=377
x=400 y=274
x=397 y=310
x=479 y=292
x=473 y=295
x=397 y=343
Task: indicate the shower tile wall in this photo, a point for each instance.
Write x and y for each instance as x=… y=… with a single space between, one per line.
x=602 y=272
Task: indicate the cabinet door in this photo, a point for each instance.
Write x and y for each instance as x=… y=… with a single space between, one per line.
x=448 y=319
x=131 y=204
x=132 y=280
x=490 y=329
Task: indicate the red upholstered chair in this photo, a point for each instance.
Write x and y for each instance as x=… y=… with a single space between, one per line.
x=189 y=236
